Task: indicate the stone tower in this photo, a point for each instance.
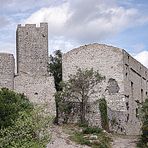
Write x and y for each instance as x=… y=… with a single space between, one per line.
x=32 y=77
x=32 y=49
x=6 y=70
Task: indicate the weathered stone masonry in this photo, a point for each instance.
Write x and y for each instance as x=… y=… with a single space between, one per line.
x=125 y=86
x=126 y=83
x=32 y=76
x=7 y=70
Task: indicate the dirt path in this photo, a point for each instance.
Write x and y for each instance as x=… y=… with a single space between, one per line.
x=124 y=141
x=61 y=140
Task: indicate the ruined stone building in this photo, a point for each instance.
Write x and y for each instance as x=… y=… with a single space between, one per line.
x=125 y=87
x=32 y=78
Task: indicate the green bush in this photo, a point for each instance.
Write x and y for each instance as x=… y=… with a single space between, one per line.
x=104 y=116
x=103 y=140
x=30 y=130
x=78 y=137
x=143 y=142
x=92 y=130
x=29 y=125
x=11 y=104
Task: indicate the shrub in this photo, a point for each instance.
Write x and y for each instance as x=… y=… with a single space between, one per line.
x=79 y=138
x=11 y=104
x=143 y=142
x=30 y=130
x=104 y=116
x=22 y=125
x=102 y=139
x=92 y=130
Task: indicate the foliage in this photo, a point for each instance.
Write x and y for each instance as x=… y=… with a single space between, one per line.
x=143 y=142
x=103 y=112
x=79 y=138
x=29 y=130
x=22 y=124
x=55 y=67
x=79 y=88
x=92 y=130
x=84 y=137
x=11 y=104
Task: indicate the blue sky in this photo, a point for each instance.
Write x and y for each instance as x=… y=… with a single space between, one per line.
x=121 y=23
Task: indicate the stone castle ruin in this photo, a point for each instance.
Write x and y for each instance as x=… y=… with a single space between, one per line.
x=125 y=86
x=32 y=76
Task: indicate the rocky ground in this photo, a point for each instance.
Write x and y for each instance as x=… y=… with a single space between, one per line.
x=124 y=141
x=60 y=140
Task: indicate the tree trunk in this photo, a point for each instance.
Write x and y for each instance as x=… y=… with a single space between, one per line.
x=56 y=120
x=82 y=112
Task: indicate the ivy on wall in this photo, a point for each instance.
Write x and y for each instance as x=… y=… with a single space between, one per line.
x=103 y=112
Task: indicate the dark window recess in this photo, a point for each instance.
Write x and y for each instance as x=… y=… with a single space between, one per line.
x=137 y=101
x=36 y=93
x=43 y=35
x=127 y=117
x=128 y=57
x=137 y=112
x=132 y=88
x=113 y=86
x=126 y=74
x=142 y=94
x=127 y=105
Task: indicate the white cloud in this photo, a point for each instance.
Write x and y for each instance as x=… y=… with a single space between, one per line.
x=72 y=23
x=55 y=16
x=142 y=57
x=60 y=45
x=3 y=22
x=86 y=22
x=25 y=5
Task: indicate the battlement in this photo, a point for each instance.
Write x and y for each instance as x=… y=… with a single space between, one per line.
x=32 y=49
x=32 y=25
x=4 y=54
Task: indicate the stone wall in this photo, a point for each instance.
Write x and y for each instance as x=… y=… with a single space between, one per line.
x=32 y=49
x=7 y=70
x=111 y=62
x=40 y=90
x=136 y=90
x=32 y=77
x=108 y=61
x=92 y=115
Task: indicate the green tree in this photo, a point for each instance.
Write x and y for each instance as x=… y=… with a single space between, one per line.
x=22 y=125
x=55 y=67
x=103 y=112
x=30 y=130
x=79 y=88
x=143 y=143
x=11 y=104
